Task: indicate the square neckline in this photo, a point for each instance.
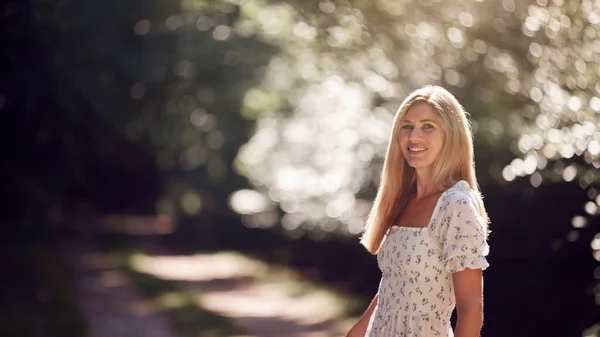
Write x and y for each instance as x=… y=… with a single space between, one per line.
x=433 y=214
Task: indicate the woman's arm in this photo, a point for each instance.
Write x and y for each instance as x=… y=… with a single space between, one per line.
x=360 y=328
x=468 y=290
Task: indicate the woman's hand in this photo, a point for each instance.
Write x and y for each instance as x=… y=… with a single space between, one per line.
x=360 y=328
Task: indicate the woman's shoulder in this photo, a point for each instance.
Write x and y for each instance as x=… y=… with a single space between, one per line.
x=461 y=185
x=460 y=193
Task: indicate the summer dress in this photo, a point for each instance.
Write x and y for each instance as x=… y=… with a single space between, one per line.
x=416 y=296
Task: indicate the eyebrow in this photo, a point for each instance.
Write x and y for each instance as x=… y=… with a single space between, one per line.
x=423 y=120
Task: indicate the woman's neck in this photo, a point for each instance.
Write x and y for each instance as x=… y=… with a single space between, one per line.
x=425 y=185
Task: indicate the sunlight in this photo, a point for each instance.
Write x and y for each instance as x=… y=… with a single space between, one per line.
x=191 y=203
x=579 y=221
x=331 y=124
x=266 y=293
x=316 y=307
x=596 y=242
x=248 y=202
x=200 y=267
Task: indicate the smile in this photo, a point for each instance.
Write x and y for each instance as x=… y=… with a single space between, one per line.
x=417 y=149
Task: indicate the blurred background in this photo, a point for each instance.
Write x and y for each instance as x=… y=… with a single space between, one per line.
x=204 y=167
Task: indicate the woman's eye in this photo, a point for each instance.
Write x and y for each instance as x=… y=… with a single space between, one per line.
x=427 y=126
x=407 y=126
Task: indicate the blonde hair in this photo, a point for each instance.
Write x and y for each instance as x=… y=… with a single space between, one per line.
x=398 y=185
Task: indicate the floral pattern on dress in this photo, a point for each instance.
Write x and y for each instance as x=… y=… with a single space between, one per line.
x=416 y=294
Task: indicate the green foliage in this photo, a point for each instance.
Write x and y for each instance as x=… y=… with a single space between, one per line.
x=524 y=71
x=170 y=77
x=297 y=97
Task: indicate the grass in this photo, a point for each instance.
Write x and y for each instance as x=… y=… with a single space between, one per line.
x=37 y=297
x=186 y=317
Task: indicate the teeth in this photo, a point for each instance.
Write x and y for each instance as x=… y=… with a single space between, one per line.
x=417 y=149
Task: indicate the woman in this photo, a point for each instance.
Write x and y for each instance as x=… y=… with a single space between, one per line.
x=428 y=225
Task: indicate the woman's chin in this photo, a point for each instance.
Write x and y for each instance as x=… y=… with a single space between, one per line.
x=419 y=164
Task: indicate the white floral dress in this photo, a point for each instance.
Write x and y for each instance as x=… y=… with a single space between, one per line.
x=416 y=295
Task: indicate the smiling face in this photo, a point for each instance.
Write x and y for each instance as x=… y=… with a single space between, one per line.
x=422 y=136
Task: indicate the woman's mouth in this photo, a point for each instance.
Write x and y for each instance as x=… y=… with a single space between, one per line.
x=417 y=149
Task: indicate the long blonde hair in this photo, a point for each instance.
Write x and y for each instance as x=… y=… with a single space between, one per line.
x=397 y=183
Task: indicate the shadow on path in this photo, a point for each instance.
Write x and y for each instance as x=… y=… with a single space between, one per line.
x=110 y=304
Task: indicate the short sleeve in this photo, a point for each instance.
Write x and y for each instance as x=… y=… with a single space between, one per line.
x=462 y=233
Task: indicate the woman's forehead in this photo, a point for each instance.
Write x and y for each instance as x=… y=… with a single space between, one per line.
x=419 y=112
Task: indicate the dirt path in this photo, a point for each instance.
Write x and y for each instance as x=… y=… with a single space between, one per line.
x=111 y=306
x=262 y=309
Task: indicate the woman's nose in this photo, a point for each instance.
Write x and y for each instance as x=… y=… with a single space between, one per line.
x=416 y=134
